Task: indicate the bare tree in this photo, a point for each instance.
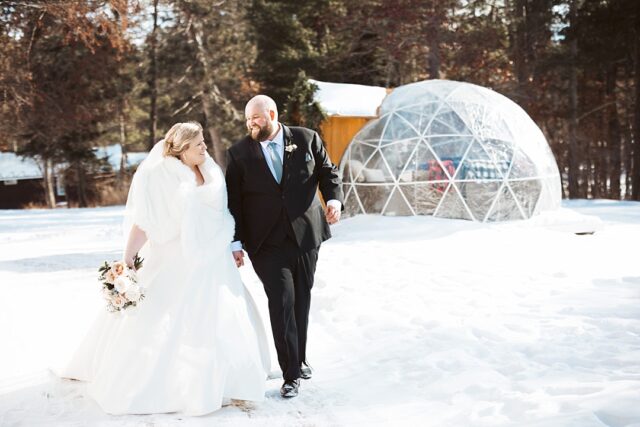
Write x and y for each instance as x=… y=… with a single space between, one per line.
x=153 y=78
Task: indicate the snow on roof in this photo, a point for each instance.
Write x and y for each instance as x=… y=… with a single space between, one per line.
x=345 y=99
x=15 y=167
x=112 y=154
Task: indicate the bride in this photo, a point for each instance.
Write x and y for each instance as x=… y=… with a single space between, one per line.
x=197 y=337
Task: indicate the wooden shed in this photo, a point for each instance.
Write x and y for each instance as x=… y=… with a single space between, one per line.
x=21 y=182
x=349 y=107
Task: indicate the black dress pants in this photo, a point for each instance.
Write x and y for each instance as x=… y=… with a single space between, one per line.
x=287 y=274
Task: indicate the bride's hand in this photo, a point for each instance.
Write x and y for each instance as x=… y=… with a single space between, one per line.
x=137 y=238
x=128 y=261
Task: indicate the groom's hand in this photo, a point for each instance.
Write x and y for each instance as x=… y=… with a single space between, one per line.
x=332 y=214
x=238 y=257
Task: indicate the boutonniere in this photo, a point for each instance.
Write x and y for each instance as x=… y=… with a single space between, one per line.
x=290 y=148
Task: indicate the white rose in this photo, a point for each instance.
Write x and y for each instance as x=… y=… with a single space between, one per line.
x=122 y=283
x=118 y=301
x=133 y=293
x=106 y=293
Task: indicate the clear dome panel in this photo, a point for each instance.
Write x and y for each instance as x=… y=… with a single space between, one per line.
x=480 y=164
x=397 y=204
x=399 y=128
x=372 y=131
x=397 y=155
x=527 y=194
x=427 y=167
x=423 y=198
x=522 y=166
x=373 y=197
x=415 y=119
x=453 y=206
x=472 y=115
x=479 y=196
x=376 y=170
x=425 y=113
x=505 y=207
x=353 y=161
x=500 y=151
x=496 y=126
x=447 y=122
x=351 y=203
x=452 y=150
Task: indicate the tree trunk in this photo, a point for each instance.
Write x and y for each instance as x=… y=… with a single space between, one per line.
x=81 y=181
x=614 y=137
x=434 y=46
x=593 y=191
x=574 y=159
x=636 y=134
x=48 y=183
x=122 y=173
x=153 y=78
x=627 y=134
x=596 y=190
x=219 y=150
x=520 y=52
x=209 y=92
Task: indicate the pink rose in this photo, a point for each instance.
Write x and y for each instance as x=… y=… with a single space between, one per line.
x=118 y=268
x=110 y=276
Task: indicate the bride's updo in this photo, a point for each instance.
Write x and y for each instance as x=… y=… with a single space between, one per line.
x=176 y=141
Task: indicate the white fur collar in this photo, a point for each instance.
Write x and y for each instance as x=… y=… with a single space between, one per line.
x=182 y=171
x=185 y=173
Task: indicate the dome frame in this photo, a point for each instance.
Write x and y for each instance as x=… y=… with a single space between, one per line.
x=450 y=149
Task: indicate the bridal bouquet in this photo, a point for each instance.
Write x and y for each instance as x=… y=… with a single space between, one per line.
x=120 y=284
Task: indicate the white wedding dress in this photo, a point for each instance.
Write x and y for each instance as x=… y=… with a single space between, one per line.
x=197 y=336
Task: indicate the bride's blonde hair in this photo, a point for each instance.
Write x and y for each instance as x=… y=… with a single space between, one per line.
x=176 y=141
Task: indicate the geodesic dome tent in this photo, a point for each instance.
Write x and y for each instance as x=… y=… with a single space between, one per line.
x=453 y=150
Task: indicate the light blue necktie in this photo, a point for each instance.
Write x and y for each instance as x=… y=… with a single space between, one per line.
x=275 y=160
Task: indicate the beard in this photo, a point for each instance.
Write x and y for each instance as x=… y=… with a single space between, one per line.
x=263 y=132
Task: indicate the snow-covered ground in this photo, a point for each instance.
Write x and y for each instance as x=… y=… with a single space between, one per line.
x=415 y=321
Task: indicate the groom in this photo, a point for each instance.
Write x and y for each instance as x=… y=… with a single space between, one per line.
x=273 y=175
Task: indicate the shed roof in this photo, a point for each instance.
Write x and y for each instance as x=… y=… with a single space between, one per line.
x=14 y=167
x=346 y=99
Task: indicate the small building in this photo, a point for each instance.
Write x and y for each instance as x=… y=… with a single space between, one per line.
x=21 y=178
x=21 y=182
x=348 y=107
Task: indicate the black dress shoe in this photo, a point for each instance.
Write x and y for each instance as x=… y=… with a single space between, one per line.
x=290 y=388
x=305 y=371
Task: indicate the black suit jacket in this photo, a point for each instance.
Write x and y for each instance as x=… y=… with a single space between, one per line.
x=256 y=200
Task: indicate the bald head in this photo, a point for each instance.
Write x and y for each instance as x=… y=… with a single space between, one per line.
x=262 y=103
x=261 y=114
